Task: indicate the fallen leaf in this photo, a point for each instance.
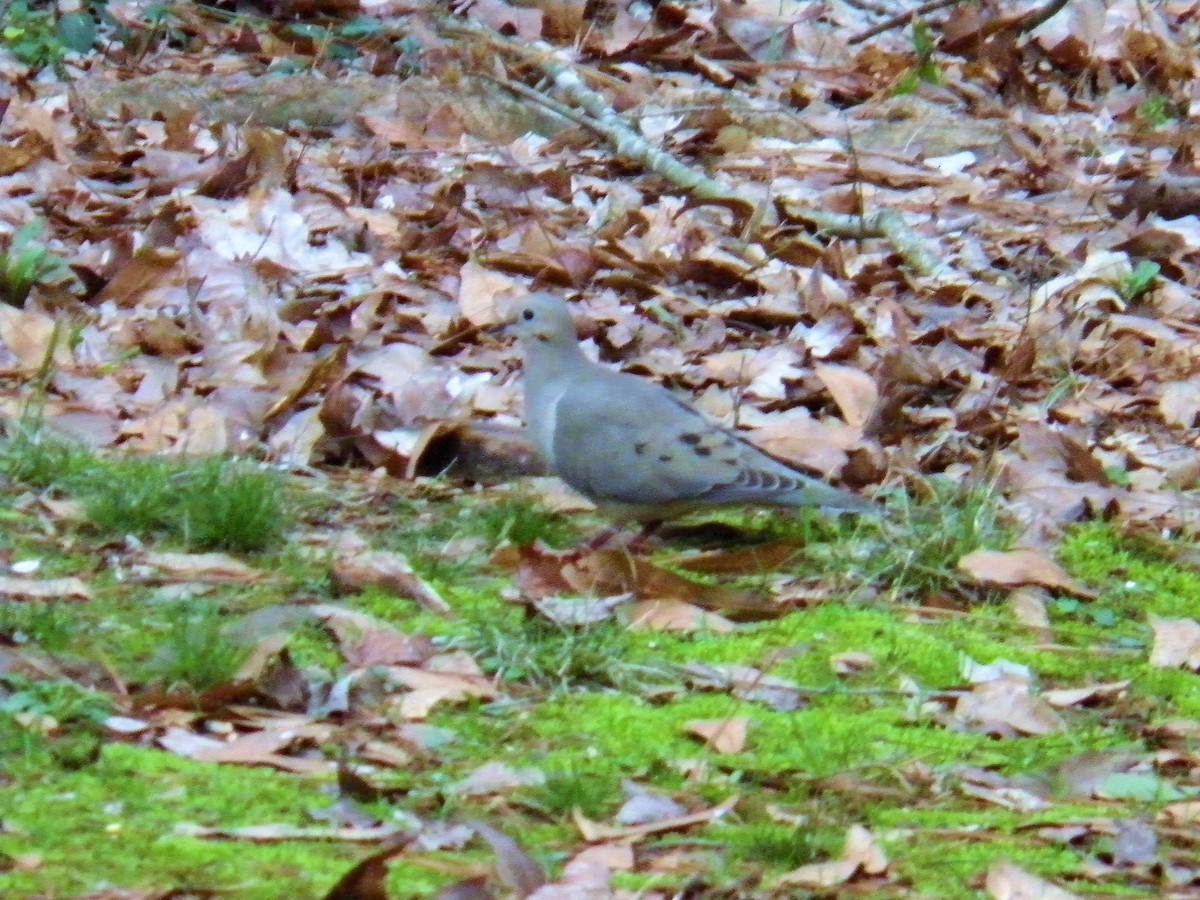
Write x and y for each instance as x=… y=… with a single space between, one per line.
x=498 y=778
x=1005 y=881
x=861 y=853
x=1015 y=568
x=853 y=390
x=1176 y=643
x=366 y=881
x=28 y=589
x=218 y=568
x=671 y=615
x=721 y=735
x=517 y=869
x=595 y=831
x=389 y=571
x=1006 y=703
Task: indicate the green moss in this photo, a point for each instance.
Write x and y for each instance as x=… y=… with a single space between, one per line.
x=590 y=708
x=122 y=815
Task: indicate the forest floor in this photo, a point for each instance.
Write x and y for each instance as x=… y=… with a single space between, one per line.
x=287 y=611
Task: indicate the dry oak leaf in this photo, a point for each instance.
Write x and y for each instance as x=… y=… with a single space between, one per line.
x=1179 y=402
x=32 y=336
x=390 y=571
x=212 y=567
x=1014 y=568
x=861 y=853
x=582 y=879
x=1180 y=815
x=498 y=778
x=70 y=588
x=482 y=293
x=1008 y=702
x=427 y=689
x=598 y=831
x=269 y=834
x=1006 y=881
x=721 y=735
x=1176 y=643
x=672 y=615
x=854 y=391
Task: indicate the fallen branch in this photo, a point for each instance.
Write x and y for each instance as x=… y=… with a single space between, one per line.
x=900 y=20
x=756 y=214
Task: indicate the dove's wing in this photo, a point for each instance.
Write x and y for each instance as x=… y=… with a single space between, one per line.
x=619 y=439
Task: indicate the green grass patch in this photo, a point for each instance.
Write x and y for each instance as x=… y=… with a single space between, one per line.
x=209 y=504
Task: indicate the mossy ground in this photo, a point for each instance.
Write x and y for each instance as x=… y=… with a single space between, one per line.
x=589 y=709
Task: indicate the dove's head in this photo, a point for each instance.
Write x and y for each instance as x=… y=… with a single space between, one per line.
x=541 y=319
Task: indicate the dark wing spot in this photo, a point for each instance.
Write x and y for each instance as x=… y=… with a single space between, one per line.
x=666 y=457
x=639 y=448
x=690 y=437
x=704 y=451
x=545 y=339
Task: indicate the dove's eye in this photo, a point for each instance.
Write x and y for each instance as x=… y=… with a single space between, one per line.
x=527 y=314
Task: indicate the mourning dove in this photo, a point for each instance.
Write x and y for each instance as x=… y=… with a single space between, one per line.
x=632 y=447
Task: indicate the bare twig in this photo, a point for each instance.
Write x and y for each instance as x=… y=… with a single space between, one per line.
x=899 y=21
x=756 y=214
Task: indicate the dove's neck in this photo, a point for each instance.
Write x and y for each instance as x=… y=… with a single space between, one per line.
x=550 y=369
x=553 y=362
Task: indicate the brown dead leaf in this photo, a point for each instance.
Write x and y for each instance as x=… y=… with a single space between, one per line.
x=610 y=572
x=259 y=748
x=484 y=293
x=1015 y=568
x=1007 y=707
x=216 y=568
x=851 y=662
x=1176 y=643
x=797 y=438
x=576 y=612
x=583 y=878
x=32 y=590
x=1028 y=605
x=671 y=615
x=427 y=689
x=498 y=778
x=1084 y=696
x=861 y=853
x=367 y=641
x=1179 y=402
x=597 y=832
x=366 y=881
x=1005 y=881
x=754 y=560
x=149 y=268
x=516 y=868
x=853 y=390
x=616 y=857
x=16 y=155
x=34 y=338
x=1185 y=814
x=721 y=735
x=390 y=571
x=746 y=683
x=498 y=16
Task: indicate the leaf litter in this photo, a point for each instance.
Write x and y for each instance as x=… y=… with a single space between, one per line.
x=306 y=269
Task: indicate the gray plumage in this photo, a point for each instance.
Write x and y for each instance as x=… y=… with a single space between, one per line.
x=631 y=446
